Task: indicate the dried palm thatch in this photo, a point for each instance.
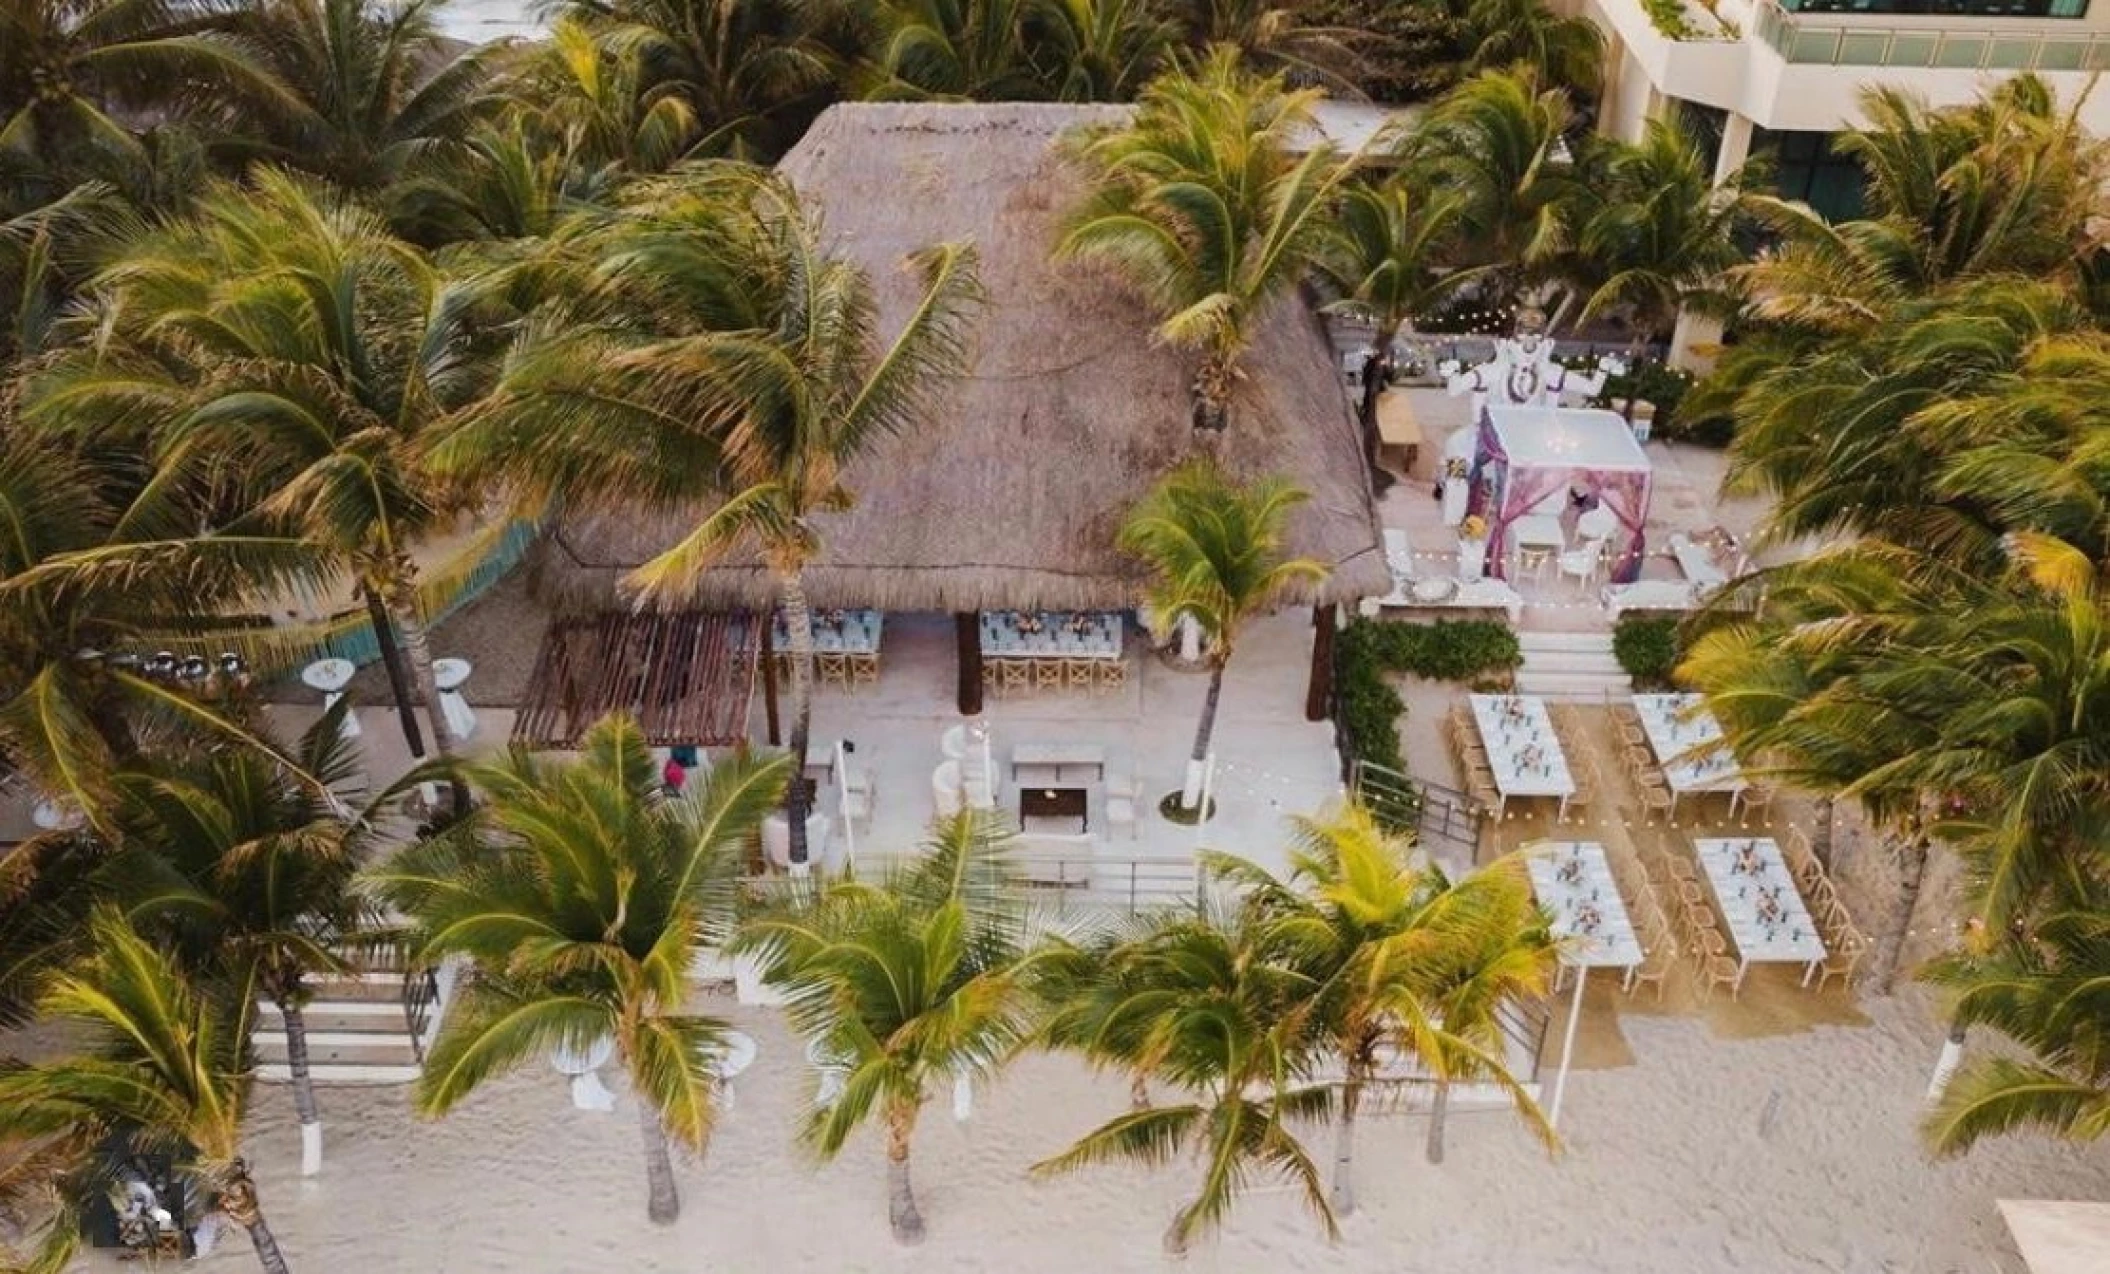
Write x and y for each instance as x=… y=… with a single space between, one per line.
x=1010 y=498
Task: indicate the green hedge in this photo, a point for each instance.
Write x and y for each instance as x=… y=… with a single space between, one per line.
x=1647 y=648
x=1450 y=650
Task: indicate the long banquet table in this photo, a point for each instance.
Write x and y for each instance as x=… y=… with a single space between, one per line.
x=1756 y=893
x=1051 y=634
x=1522 y=750
x=1574 y=881
x=1688 y=744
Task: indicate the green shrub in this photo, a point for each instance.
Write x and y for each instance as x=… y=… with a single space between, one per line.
x=1668 y=17
x=1450 y=650
x=1647 y=648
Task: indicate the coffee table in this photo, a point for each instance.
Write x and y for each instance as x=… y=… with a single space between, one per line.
x=1053 y=802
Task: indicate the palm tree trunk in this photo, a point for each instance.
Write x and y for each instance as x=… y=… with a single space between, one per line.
x=662 y=1200
x=1913 y=856
x=1191 y=794
x=901 y=1193
x=1344 y=1147
x=1212 y=394
x=1375 y=369
x=1951 y=1058
x=417 y=646
x=1439 y=1112
x=238 y=1201
x=392 y=661
x=798 y=622
x=303 y=1085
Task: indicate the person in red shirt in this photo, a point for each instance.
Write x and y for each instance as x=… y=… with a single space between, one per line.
x=674 y=775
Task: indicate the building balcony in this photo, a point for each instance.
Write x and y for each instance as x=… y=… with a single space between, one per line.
x=1842 y=39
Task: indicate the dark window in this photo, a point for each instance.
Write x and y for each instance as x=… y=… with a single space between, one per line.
x=1937 y=8
x=1805 y=167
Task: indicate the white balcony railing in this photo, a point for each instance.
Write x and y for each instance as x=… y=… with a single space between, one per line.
x=1809 y=39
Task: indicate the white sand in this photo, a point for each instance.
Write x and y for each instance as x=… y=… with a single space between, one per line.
x=1668 y=1170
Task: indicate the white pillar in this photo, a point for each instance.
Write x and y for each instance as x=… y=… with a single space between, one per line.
x=1693 y=338
x=311 y=1148
x=1190 y=641
x=1736 y=147
x=1560 y=1080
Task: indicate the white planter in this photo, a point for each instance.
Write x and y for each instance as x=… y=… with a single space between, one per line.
x=1472 y=559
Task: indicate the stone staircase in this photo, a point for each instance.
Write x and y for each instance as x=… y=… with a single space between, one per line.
x=359 y=1024
x=1570 y=665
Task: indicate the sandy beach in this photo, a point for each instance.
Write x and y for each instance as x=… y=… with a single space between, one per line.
x=1783 y=1154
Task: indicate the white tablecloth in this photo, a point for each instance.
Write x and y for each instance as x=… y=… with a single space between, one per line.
x=1061 y=635
x=837 y=632
x=1522 y=749
x=1767 y=919
x=1572 y=880
x=1687 y=741
x=1537 y=530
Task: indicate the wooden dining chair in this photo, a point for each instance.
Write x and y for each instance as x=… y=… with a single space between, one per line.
x=1753 y=797
x=1658 y=957
x=1842 y=960
x=1113 y=673
x=1690 y=893
x=1720 y=970
x=1078 y=674
x=1655 y=797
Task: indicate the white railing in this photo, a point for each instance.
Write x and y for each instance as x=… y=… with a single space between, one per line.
x=1826 y=40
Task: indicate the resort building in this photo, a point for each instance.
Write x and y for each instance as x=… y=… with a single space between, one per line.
x=1781 y=76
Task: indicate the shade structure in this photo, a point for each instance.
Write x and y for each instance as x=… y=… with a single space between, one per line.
x=1009 y=494
x=685 y=676
x=1526 y=460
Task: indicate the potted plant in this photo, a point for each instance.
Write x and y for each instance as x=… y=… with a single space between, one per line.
x=1472 y=547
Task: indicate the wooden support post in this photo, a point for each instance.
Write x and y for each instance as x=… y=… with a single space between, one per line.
x=1319 y=692
x=967 y=633
x=769 y=676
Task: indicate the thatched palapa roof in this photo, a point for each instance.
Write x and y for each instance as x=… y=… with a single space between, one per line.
x=1011 y=495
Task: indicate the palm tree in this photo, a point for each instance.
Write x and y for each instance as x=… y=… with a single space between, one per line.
x=909 y=983
x=753 y=72
x=65 y=65
x=1272 y=36
x=245 y=875
x=1664 y=236
x=285 y=346
x=1385 y=251
x=1220 y=1007
x=746 y=360
x=591 y=90
x=1405 y=961
x=1200 y=201
x=1499 y=145
x=1555 y=50
x=361 y=88
x=2050 y=994
x=1098 y=50
x=168 y=1071
x=952 y=50
x=76 y=709
x=581 y=896
x=1214 y=551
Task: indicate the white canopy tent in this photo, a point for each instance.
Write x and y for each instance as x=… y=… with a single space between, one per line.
x=1526 y=460
x=2060 y=1237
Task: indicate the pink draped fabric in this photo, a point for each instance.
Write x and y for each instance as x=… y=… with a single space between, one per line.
x=1624 y=494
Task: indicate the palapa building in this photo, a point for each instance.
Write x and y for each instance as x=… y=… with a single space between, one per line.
x=1009 y=497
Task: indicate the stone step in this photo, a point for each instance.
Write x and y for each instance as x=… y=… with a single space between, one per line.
x=341 y=1048
x=1572 y=661
x=359 y=1016
x=360 y=987
x=1591 y=686
x=332 y=1073
x=1531 y=640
